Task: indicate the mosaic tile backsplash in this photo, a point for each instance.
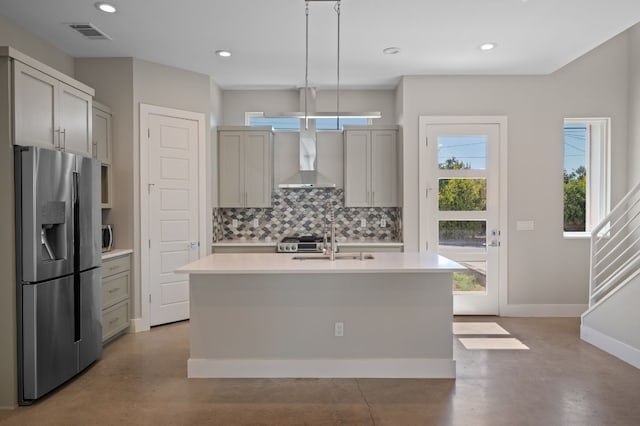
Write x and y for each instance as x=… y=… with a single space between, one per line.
x=303 y=212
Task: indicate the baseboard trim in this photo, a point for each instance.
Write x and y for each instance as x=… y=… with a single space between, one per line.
x=137 y=325
x=8 y=407
x=512 y=310
x=619 y=349
x=322 y=368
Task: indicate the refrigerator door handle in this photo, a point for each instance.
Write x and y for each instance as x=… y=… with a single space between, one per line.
x=77 y=299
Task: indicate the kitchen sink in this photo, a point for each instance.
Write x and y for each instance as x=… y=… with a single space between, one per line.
x=349 y=256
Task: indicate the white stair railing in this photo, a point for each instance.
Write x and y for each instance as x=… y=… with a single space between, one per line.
x=615 y=248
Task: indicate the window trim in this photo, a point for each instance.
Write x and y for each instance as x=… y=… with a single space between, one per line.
x=258 y=114
x=598 y=189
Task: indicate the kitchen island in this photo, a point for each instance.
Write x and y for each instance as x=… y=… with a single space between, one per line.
x=282 y=315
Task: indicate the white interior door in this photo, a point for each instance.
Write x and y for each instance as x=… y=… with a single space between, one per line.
x=173 y=213
x=460 y=177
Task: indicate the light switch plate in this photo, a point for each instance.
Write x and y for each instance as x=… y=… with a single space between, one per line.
x=234 y=223
x=363 y=223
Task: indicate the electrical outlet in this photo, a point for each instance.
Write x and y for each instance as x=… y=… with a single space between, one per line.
x=338 y=330
x=383 y=223
x=234 y=223
x=255 y=223
x=363 y=223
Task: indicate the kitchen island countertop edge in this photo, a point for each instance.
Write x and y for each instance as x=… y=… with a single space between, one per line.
x=280 y=263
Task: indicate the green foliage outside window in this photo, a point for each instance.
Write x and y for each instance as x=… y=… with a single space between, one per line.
x=461 y=195
x=575 y=200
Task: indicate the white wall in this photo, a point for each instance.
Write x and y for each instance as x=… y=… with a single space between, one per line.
x=613 y=325
x=29 y=44
x=544 y=268
x=212 y=171
x=634 y=105
x=237 y=102
x=169 y=87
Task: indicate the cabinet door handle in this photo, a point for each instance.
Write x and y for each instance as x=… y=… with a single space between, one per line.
x=57 y=132
x=63 y=132
x=94 y=149
x=245 y=199
x=373 y=198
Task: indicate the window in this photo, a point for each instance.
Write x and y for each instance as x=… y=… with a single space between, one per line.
x=330 y=123
x=294 y=123
x=586 y=173
x=278 y=123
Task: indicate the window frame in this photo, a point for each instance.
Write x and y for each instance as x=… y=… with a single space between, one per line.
x=598 y=175
x=257 y=114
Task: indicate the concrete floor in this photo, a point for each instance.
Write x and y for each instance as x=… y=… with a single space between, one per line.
x=561 y=380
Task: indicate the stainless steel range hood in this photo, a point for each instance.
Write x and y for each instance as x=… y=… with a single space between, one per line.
x=308 y=175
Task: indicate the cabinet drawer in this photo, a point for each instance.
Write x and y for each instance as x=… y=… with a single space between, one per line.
x=115 y=288
x=115 y=319
x=115 y=266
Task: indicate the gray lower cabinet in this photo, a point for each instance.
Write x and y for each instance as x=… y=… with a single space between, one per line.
x=116 y=284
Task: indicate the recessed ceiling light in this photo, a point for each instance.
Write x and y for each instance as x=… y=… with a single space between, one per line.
x=223 y=53
x=391 y=50
x=488 y=46
x=106 y=7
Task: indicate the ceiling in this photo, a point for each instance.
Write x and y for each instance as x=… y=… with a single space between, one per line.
x=267 y=37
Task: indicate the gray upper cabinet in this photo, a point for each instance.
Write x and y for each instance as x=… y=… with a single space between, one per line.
x=101 y=133
x=102 y=150
x=371 y=167
x=245 y=158
x=49 y=112
x=75 y=120
x=35 y=95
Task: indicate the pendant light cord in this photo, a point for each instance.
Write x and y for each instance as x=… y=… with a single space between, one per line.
x=306 y=67
x=337 y=9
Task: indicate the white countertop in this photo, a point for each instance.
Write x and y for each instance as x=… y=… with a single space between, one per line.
x=272 y=243
x=115 y=253
x=280 y=263
x=249 y=243
x=365 y=243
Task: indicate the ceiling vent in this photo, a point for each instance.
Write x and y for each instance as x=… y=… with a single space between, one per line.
x=89 y=31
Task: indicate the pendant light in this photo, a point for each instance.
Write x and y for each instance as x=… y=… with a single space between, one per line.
x=336 y=8
x=306 y=114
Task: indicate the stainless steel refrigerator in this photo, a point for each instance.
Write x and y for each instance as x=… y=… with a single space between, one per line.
x=58 y=256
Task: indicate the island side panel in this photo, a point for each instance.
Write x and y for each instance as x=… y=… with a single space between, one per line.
x=395 y=317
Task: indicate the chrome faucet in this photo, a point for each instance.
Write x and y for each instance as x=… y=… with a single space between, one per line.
x=331 y=250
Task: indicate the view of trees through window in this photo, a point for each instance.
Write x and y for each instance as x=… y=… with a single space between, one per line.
x=575 y=177
x=463 y=194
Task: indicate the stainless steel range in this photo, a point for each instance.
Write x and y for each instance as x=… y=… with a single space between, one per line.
x=301 y=244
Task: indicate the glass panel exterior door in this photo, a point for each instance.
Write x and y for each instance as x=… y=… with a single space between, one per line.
x=462 y=215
